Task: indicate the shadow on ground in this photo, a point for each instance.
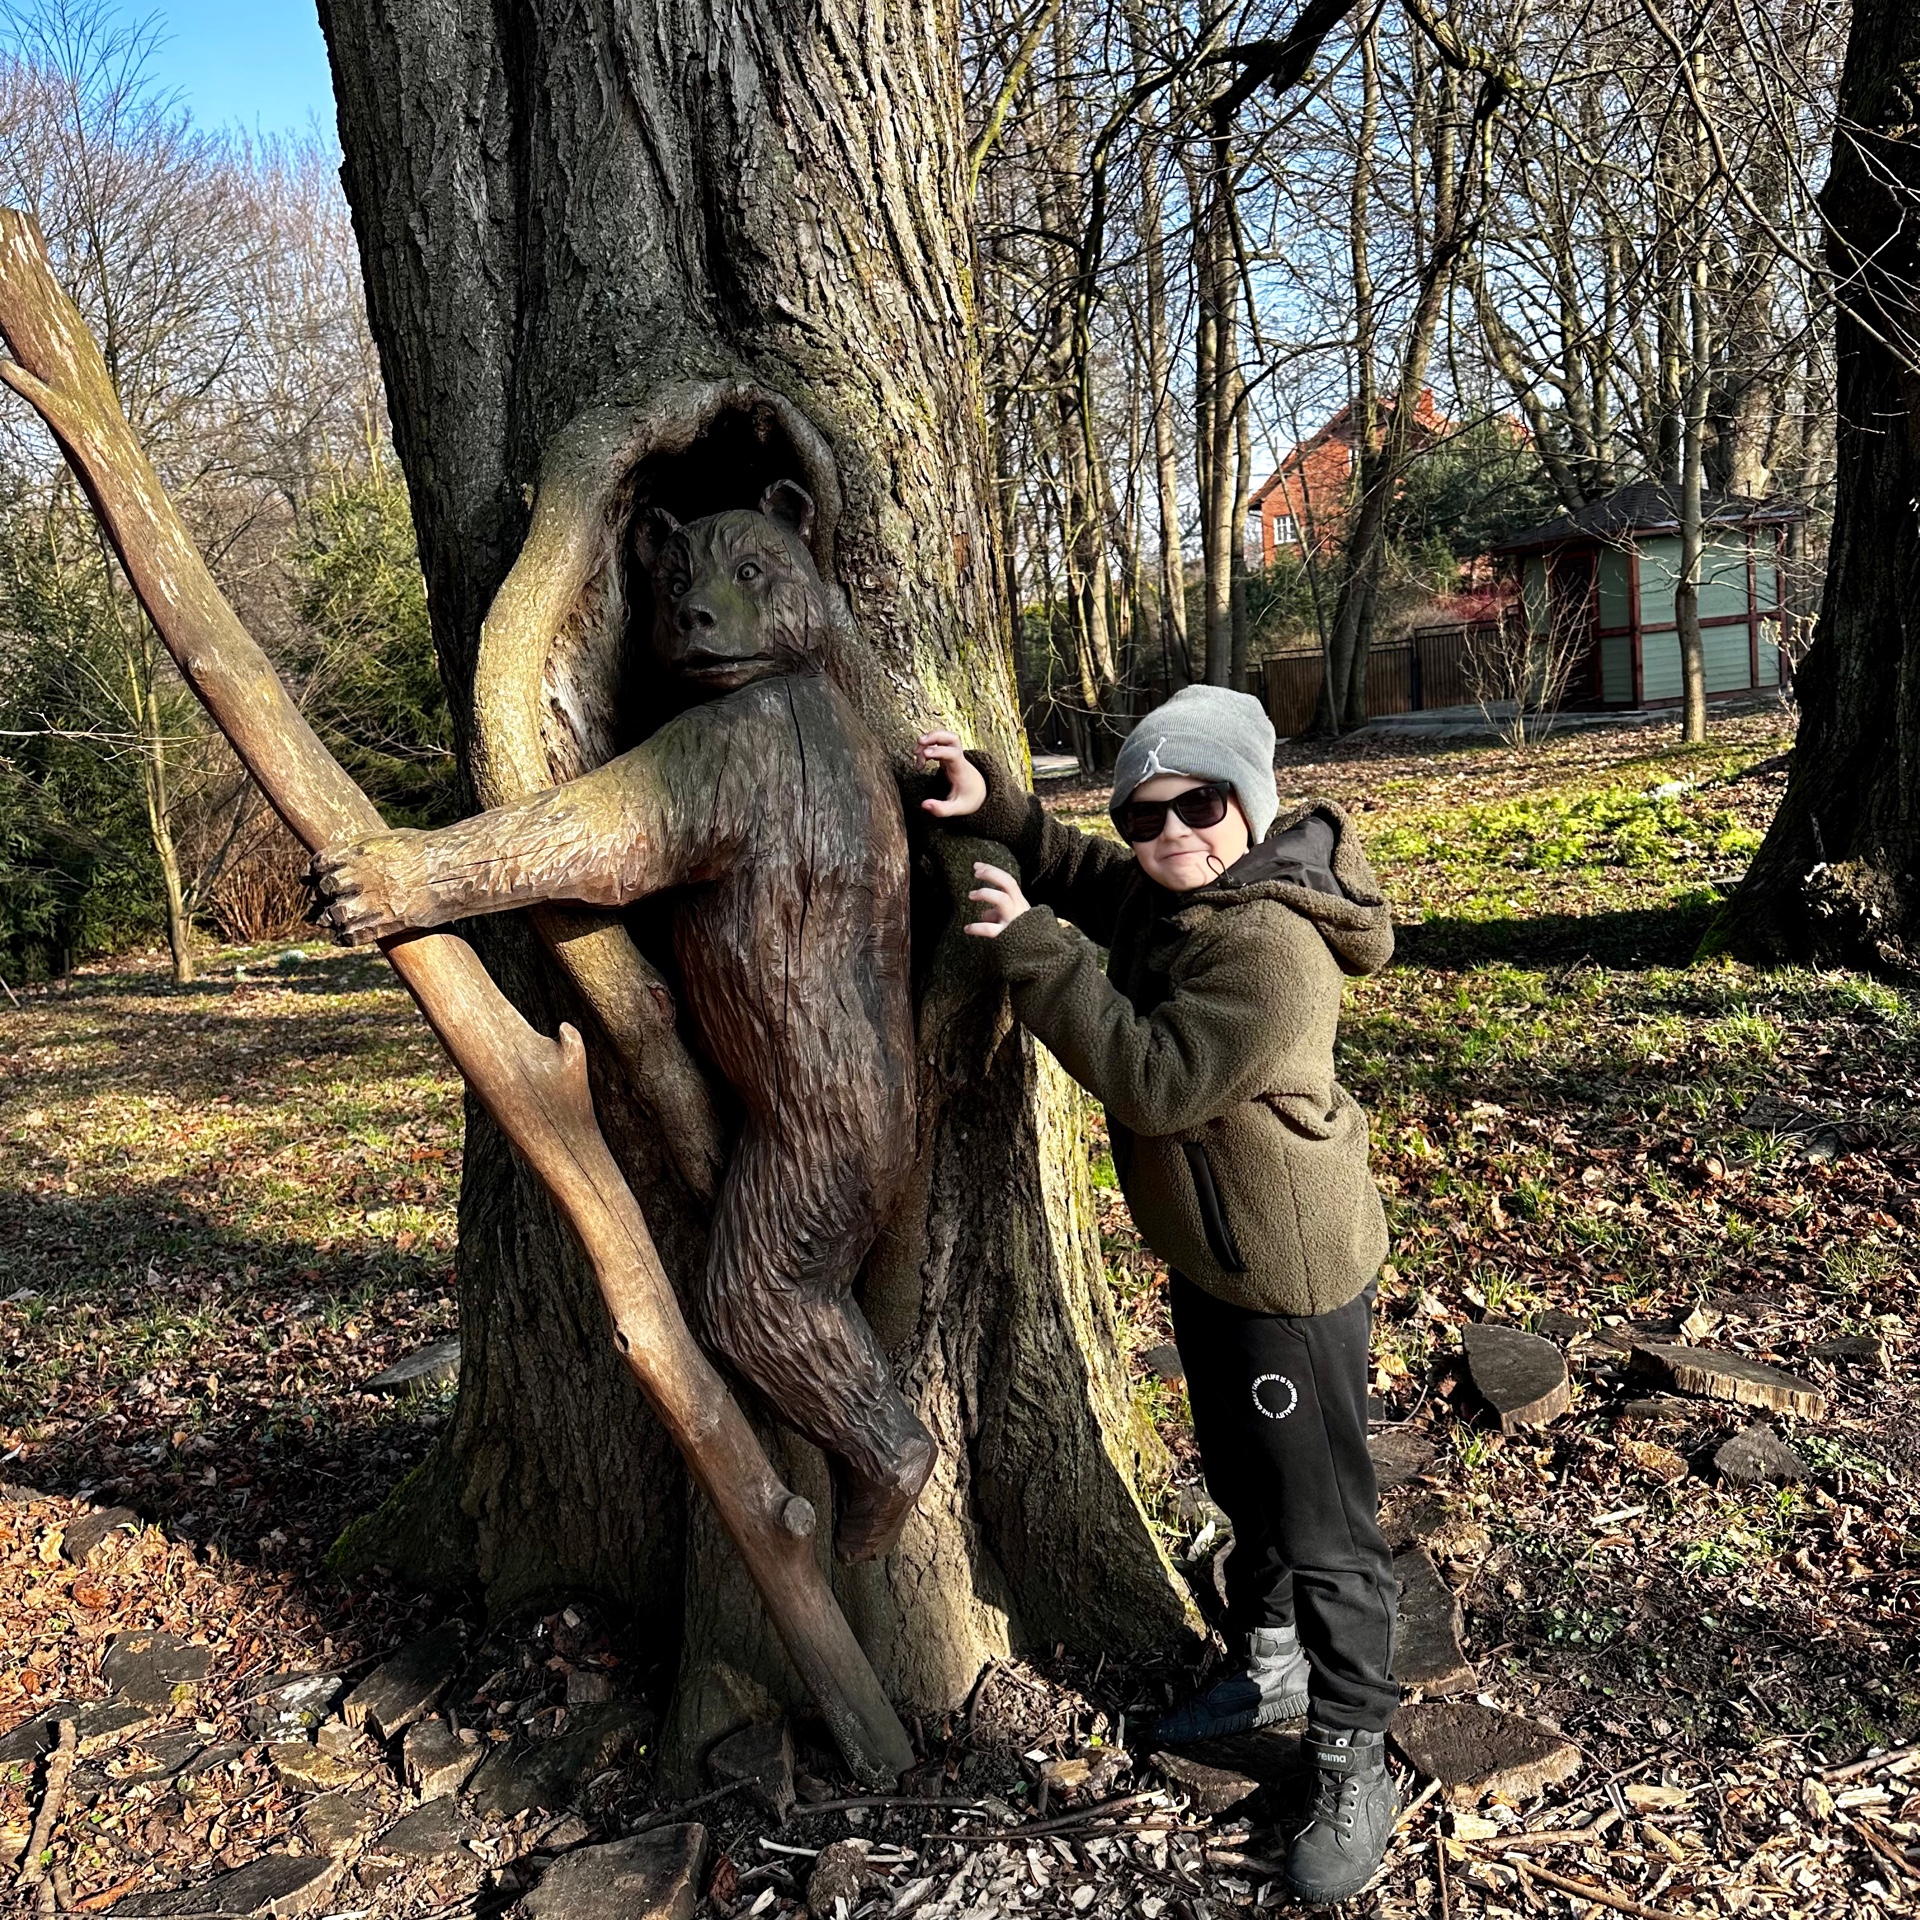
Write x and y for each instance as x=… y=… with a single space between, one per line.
x=1637 y=937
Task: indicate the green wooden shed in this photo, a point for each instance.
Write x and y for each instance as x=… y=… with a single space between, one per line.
x=1607 y=573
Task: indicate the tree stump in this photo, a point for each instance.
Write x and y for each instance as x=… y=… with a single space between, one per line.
x=1522 y=1378
x=1474 y=1751
x=1715 y=1375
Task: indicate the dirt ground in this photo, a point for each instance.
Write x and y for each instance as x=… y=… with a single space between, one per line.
x=230 y=1206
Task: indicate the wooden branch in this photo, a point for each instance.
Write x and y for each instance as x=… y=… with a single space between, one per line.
x=535 y=1088
x=1586 y=1890
x=33 y=1872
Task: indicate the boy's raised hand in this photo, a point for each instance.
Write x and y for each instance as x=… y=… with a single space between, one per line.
x=1000 y=898
x=966 y=788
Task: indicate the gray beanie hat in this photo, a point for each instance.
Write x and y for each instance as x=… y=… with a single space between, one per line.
x=1206 y=733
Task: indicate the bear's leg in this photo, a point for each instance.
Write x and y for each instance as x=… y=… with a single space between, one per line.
x=787 y=1241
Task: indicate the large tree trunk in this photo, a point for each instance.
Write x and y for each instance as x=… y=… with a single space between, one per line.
x=1217 y=390
x=1176 y=665
x=1833 y=882
x=564 y=207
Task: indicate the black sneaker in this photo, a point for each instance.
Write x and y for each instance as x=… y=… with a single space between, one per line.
x=1355 y=1806
x=1269 y=1686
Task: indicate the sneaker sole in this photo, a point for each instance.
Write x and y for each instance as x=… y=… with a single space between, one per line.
x=1325 y=1899
x=1292 y=1706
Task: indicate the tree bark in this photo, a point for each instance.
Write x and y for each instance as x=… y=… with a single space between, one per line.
x=1686 y=593
x=1217 y=361
x=1176 y=665
x=567 y=207
x=1833 y=881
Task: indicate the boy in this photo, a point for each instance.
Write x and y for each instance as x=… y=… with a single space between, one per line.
x=1209 y=1039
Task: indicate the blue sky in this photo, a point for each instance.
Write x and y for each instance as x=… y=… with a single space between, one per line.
x=256 y=64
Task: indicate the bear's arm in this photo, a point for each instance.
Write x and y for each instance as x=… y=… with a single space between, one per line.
x=669 y=812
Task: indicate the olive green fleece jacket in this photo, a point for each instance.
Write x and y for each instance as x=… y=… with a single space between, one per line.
x=1209 y=1039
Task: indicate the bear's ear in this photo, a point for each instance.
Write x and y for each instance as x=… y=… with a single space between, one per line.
x=652 y=529
x=791 y=504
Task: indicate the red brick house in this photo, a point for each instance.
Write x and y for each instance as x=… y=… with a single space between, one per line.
x=1304 y=502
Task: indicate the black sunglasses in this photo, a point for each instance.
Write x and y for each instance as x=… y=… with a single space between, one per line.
x=1197 y=807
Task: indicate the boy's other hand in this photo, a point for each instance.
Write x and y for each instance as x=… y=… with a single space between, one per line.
x=966 y=788
x=1000 y=898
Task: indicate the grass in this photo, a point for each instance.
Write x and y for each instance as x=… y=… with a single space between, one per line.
x=229 y=1205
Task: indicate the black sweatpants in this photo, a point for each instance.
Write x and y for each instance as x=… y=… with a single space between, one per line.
x=1280 y=1412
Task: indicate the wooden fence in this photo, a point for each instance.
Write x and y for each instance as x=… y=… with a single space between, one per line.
x=1428 y=669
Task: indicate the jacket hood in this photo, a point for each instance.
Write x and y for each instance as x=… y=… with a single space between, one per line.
x=1312 y=861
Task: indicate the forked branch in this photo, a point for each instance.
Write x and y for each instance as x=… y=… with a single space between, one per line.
x=535 y=1088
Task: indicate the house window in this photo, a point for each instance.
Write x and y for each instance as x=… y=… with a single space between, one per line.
x=1285 y=533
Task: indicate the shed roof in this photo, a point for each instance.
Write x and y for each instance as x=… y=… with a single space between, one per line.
x=1647 y=507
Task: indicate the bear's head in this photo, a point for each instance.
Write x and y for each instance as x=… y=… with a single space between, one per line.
x=735 y=596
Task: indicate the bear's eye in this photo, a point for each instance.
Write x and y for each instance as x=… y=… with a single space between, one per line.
x=677 y=586
x=748 y=570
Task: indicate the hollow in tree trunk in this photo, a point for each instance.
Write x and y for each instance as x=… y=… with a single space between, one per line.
x=1833 y=883
x=601 y=206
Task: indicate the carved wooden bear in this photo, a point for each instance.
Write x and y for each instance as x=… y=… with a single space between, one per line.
x=771 y=810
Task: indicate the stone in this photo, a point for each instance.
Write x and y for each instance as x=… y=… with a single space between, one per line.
x=1655 y=1461
x=1662 y=1410
x=433 y=1365
x=31 y=1738
x=1757 y=1458
x=159 y=1756
x=1197 y=1513
x=761 y=1759
x=1653 y=1796
x=436 y=1759
x=335 y=1821
x=547 y=1772
x=1447 y=1530
x=1399 y=1455
x=588 y=1687
x=652 y=1876
x=292 y=1704
x=1427 y=1652
x=1522 y=1378
x=301 y=1764
x=211 y=1759
x=1474 y=1751
x=1083 y=1776
x=1853 y=1349
x=839 y=1872
x=1164 y=1362
x=432 y=1833
x=1714 y=1375
x=1212 y=1790
x=104 y=1724
x=154 y=1669
x=406 y=1688
x=563 y=1834
x=274 y=1888
x=85 y=1538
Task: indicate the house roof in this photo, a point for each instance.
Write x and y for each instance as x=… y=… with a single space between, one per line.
x=1341 y=431
x=1647 y=507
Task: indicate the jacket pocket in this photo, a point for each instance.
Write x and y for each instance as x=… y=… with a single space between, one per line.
x=1302 y=1114
x=1213 y=1216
